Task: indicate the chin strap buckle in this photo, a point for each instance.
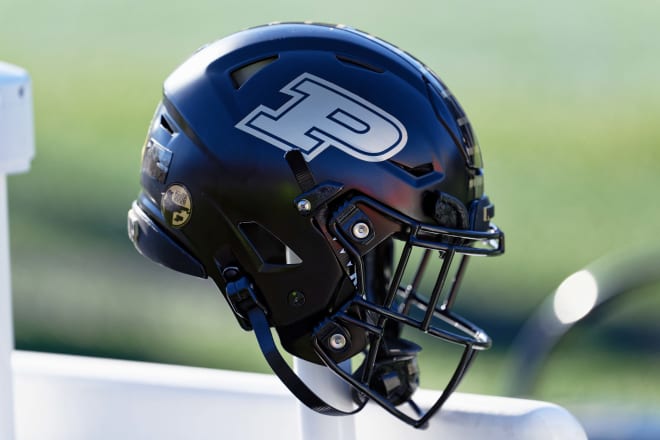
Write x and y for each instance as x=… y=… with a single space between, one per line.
x=242 y=298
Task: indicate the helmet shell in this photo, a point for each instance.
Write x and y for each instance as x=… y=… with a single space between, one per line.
x=387 y=128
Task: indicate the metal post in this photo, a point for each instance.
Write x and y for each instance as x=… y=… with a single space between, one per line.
x=16 y=151
x=6 y=333
x=334 y=391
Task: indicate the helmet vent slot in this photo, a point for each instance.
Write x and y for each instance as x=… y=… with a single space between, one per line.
x=359 y=63
x=241 y=75
x=269 y=250
x=416 y=171
x=166 y=125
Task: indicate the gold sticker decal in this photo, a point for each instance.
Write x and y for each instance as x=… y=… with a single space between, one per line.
x=176 y=206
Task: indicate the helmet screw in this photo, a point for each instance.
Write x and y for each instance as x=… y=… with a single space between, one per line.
x=296 y=298
x=230 y=273
x=304 y=206
x=337 y=341
x=360 y=230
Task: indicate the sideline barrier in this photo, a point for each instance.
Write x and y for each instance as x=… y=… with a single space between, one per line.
x=74 y=398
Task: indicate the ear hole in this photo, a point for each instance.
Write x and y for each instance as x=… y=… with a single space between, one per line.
x=269 y=249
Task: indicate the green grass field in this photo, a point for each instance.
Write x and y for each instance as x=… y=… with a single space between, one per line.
x=564 y=96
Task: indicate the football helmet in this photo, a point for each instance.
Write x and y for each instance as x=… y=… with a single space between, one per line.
x=312 y=171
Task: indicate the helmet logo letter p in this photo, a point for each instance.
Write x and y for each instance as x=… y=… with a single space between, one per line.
x=321 y=114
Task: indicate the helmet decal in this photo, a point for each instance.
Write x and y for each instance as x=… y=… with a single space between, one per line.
x=176 y=205
x=321 y=114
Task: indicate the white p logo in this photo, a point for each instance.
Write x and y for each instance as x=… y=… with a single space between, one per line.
x=321 y=114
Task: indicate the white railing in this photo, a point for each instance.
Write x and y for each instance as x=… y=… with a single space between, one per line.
x=63 y=397
x=51 y=396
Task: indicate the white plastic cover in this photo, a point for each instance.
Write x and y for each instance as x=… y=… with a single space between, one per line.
x=16 y=120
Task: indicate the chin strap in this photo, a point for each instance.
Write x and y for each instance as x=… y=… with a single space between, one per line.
x=241 y=296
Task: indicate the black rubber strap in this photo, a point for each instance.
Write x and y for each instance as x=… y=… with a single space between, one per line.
x=280 y=367
x=300 y=169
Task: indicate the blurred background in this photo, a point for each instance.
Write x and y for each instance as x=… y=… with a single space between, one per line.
x=564 y=97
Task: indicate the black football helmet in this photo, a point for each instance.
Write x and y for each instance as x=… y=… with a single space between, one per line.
x=312 y=171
